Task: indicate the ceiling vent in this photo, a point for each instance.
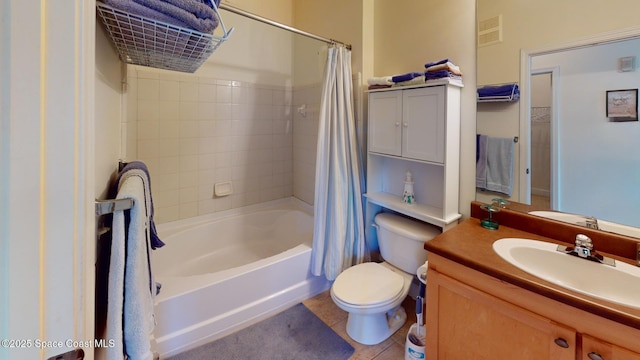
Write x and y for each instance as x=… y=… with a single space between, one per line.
x=490 y=31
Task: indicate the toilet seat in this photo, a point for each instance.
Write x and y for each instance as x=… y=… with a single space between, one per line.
x=368 y=284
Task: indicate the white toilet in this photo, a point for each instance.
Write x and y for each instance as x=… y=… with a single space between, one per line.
x=372 y=292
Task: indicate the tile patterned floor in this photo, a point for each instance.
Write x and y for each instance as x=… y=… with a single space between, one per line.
x=336 y=318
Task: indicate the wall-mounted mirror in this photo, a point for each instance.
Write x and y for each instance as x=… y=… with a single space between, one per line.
x=569 y=155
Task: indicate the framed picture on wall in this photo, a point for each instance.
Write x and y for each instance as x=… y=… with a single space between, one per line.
x=622 y=105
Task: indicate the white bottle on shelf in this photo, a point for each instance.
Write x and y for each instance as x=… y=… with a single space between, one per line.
x=408 y=195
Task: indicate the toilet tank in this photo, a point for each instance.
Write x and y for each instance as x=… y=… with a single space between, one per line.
x=401 y=240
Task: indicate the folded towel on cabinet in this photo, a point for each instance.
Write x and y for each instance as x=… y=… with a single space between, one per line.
x=418 y=80
x=380 y=80
x=377 y=87
x=434 y=63
x=432 y=75
x=405 y=77
x=449 y=66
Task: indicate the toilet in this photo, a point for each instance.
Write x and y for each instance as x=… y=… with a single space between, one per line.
x=372 y=293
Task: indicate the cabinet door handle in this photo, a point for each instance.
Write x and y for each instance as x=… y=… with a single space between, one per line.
x=561 y=342
x=397 y=124
x=406 y=124
x=595 y=356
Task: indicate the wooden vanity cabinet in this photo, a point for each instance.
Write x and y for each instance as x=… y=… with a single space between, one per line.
x=471 y=324
x=596 y=349
x=471 y=315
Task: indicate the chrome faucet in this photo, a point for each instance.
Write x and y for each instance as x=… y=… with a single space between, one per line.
x=584 y=249
x=592 y=223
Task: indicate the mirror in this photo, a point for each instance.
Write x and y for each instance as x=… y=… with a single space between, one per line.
x=547 y=47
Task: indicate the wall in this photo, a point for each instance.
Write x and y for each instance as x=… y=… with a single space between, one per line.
x=230 y=121
x=529 y=25
x=410 y=33
x=599 y=171
x=277 y=10
x=351 y=22
x=109 y=111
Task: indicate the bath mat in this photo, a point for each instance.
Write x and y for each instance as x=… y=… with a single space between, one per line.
x=295 y=333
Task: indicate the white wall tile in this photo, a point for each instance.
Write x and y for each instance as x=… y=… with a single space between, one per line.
x=198 y=131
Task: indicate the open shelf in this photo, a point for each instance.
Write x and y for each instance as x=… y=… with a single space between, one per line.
x=430 y=214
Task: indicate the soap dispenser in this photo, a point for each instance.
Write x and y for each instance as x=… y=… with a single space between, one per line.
x=407 y=195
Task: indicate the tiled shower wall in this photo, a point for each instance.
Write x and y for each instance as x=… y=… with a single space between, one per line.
x=194 y=132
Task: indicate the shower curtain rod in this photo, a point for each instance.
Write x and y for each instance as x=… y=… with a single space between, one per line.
x=232 y=9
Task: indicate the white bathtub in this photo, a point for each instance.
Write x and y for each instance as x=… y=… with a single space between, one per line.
x=225 y=271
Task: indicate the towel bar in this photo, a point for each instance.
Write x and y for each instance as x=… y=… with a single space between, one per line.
x=104 y=207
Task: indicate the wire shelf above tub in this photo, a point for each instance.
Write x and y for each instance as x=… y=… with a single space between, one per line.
x=143 y=41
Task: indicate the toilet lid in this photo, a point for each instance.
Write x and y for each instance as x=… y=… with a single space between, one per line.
x=368 y=284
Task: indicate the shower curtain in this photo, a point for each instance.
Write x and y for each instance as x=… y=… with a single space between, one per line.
x=338 y=234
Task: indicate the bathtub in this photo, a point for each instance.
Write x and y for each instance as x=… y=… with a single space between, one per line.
x=225 y=271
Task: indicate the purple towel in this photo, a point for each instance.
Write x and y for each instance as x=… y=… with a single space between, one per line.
x=189 y=14
x=194 y=13
x=208 y=3
x=406 y=77
x=430 y=64
x=499 y=90
x=133 y=8
x=431 y=75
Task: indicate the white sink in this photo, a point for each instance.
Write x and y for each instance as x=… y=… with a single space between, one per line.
x=619 y=284
x=603 y=225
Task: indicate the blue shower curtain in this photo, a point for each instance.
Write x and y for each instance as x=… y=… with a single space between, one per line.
x=338 y=234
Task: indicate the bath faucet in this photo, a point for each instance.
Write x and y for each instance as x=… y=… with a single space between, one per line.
x=592 y=223
x=584 y=249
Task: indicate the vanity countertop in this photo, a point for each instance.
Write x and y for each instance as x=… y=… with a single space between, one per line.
x=470 y=245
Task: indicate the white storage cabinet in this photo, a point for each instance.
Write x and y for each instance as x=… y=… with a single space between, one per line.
x=415 y=129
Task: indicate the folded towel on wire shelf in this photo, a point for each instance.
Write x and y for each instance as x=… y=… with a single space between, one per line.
x=499 y=90
x=190 y=14
x=132 y=290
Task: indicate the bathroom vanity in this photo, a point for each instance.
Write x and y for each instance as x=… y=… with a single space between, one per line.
x=480 y=306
